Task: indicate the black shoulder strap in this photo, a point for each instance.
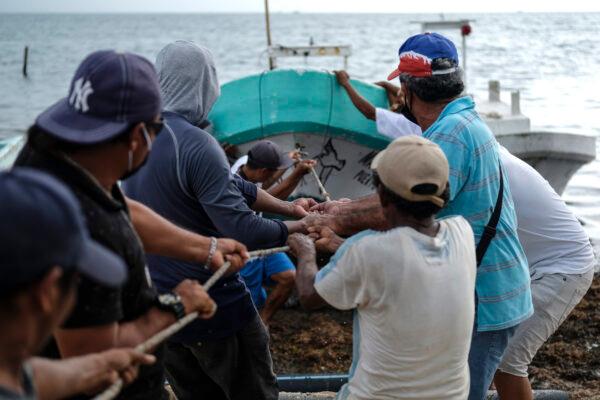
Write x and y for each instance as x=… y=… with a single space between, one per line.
x=490 y=229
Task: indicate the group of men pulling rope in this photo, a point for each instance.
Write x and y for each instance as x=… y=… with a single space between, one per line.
x=126 y=231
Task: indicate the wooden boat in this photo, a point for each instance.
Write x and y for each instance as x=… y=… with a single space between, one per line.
x=306 y=109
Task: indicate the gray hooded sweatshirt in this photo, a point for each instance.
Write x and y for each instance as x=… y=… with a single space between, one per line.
x=188 y=80
x=187 y=180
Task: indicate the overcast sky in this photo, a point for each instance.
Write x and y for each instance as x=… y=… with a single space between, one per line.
x=335 y=6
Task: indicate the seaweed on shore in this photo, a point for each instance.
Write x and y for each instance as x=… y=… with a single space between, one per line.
x=321 y=342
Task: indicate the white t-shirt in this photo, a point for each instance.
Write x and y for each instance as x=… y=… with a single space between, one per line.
x=414 y=303
x=394 y=125
x=553 y=239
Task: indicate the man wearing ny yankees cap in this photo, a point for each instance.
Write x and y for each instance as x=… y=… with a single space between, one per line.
x=100 y=133
x=432 y=87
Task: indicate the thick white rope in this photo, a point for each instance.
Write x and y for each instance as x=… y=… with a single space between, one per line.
x=159 y=337
x=321 y=187
x=318 y=180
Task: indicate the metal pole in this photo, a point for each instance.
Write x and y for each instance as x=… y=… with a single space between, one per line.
x=268 y=25
x=464 y=51
x=25 y=60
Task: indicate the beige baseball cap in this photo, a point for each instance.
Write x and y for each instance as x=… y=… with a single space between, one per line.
x=410 y=161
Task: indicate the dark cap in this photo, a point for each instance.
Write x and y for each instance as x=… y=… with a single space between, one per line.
x=267 y=154
x=109 y=92
x=42 y=227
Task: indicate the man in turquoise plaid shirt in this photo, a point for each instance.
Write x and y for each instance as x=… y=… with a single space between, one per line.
x=433 y=98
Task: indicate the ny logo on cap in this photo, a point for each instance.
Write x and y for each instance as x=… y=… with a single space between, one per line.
x=81 y=90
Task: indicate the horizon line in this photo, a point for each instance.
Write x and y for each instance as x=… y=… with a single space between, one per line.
x=297 y=12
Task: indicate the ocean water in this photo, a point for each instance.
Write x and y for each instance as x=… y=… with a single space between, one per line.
x=554 y=59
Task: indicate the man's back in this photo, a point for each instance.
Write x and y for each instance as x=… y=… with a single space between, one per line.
x=413 y=294
x=187 y=181
x=552 y=237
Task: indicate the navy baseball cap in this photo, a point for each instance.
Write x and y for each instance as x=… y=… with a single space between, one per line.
x=267 y=154
x=42 y=227
x=109 y=92
x=418 y=51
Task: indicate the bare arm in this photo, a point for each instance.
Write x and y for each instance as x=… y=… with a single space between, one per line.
x=164 y=238
x=296 y=226
x=348 y=218
x=266 y=202
x=286 y=187
x=58 y=379
x=296 y=156
x=304 y=250
x=279 y=295
x=367 y=109
x=79 y=341
x=266 y=185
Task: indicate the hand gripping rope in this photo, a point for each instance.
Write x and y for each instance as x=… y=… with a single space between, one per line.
x=161 y=336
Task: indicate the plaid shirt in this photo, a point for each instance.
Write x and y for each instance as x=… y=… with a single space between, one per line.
x=502 y=286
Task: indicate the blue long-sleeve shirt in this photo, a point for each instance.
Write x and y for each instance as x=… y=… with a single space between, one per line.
x=187 y=180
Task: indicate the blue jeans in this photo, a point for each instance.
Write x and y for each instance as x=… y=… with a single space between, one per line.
x=485 y=355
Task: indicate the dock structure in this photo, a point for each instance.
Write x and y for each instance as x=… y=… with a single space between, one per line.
x=557 y=156
x=279 y=51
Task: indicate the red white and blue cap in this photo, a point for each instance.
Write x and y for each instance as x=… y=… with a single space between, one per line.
x=418 y=52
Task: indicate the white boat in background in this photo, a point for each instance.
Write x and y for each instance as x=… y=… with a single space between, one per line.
x=555 y=155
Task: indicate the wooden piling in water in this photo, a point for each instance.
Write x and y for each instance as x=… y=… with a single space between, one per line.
x=25 y=60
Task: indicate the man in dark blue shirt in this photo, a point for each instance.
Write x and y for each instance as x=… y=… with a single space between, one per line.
x=187 y=180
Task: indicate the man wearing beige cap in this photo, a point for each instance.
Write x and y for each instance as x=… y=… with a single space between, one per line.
x=412 y=286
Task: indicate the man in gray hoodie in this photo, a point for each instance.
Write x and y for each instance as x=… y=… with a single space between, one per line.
x=187 y=180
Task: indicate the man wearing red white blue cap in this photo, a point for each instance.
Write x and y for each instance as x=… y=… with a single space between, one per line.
x=419 y=51
x=433 y=88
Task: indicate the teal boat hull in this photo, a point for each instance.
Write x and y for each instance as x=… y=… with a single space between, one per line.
x=304 y=109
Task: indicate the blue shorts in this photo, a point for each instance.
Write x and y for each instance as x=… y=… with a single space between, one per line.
x=257 y=274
